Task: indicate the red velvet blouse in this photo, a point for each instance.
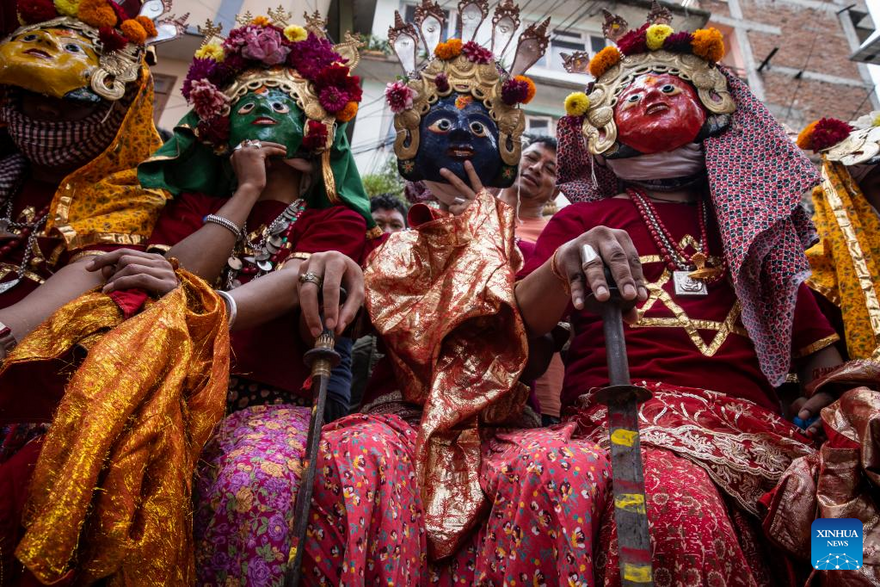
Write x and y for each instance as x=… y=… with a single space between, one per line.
x=272 y=353
x=689 y=341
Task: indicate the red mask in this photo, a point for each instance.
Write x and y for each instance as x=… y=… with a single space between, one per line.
x=657 y=113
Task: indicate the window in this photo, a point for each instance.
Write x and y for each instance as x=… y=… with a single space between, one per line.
x=540 y=125
x=162 y=86
x=409 y=15
x=562 y=41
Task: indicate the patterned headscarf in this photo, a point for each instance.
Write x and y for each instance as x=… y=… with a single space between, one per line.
x=757 y=177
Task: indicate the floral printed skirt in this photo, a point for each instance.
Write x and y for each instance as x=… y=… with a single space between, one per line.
x=245 y=491
x=367 y=525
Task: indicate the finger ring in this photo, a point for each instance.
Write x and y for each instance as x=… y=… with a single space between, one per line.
x=256 y=144
x=588 y=254
x=310 y=277
x=242 y=144
x=458 y=201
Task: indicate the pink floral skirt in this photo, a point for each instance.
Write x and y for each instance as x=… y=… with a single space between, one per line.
x=244 y=496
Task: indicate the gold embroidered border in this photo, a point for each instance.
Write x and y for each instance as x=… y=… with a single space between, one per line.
x=830 y=294
x=6 y=269
x=816 y=346
x=866 y=281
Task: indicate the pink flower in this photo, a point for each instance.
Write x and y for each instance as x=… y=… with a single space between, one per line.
x=206 y=99
x=333 y=99
x=266 y=45
x=514 y=91
x=475 y=53
x=399 y=96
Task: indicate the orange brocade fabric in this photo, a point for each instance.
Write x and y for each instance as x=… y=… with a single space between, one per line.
x=441 y=297
x=111 y=492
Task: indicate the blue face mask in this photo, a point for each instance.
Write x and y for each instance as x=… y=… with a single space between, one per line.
x=456 y=129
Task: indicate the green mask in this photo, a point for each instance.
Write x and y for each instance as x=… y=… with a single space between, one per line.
x=267 y=114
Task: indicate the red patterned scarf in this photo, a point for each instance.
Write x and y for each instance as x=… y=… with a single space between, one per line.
x=757 y=177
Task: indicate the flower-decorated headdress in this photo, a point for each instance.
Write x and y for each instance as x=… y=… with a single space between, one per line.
x=847 y=143
x=463 y=65
x=271 y=52
x=119 y=32
x=655 y=47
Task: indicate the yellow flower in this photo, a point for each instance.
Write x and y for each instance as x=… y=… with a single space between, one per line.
x=260 y=21
x=656 y=34
x=876 y=121
x=211 y=51
x=67 y=7
x=577 y=104
x=295 y=33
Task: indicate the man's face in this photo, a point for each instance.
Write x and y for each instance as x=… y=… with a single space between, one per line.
x=458 y=128
x=53 y=62
x=266 y=115
x=389 y=221
x=537 y=173
x=658 y=113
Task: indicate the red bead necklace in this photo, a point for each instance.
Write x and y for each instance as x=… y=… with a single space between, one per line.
x=673 y=254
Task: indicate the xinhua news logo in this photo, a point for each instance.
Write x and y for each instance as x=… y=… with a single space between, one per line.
x=837 y=544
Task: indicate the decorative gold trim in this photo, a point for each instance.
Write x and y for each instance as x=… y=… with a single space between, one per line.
x=860 y=266
x=816 y=346
x=6 y=269
x=711 y=85
x=329 y=179
x=84 y=254
x=374 y=232
x=828 y=293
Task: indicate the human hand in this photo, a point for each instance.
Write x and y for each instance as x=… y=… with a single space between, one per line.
x=808 y=411
x=456 y=195
x=129 y=269
x=324 y=274
x=585 y=268
x=250 y=160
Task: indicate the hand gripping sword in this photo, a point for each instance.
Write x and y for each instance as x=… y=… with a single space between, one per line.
x=628 y=481
x=320 y=360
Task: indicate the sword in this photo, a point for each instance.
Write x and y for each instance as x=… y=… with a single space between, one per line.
x=627 y=477
x=321 y=359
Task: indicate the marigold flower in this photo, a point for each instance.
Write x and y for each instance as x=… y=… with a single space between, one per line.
x=67 y=7
x=212 y=51
x=530 y=85
x=708 y=44
x=823 y=134
x=260 y=21
x=448 y=50
x=295 y=33
x=577 y=104
x=149 y=25
x=604 y=60
x=656 y=34
x=96 y=13
x=133 y=31
x=347 y=113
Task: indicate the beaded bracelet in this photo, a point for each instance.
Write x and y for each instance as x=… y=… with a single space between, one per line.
x=554 y=268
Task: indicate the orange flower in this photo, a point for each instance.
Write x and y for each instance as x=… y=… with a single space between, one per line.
x=97 y=13
x=133 y=31
x=603 y=61
x=260 y=21
x=148 y=25
x=708 y=44
x=805 y=138
x=347 y=113
x=531 y=91
x=448 y=50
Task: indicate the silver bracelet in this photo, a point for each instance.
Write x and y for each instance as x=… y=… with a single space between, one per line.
x=225 y=223
x=231 y=306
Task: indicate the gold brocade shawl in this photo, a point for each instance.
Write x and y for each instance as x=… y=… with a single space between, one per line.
x=441 y=297
x=840 y=480
x=111 y=493
x=102 y=203
x=845 y=261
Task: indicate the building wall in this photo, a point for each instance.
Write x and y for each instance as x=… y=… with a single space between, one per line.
x=811 y=75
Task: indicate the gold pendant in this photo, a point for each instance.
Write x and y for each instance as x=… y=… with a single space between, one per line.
x=702 y=272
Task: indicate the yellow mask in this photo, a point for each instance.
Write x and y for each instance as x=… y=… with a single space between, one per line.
x=57 y=62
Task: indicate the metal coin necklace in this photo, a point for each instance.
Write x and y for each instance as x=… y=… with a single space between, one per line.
x=691 y=274
x=257 y=259
x=24 y=233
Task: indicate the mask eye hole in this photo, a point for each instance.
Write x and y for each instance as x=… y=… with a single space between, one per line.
x=247 y=108
x=29 y=38
x=441 y=126
x=280 y=107
x=633 y=98
x=72 y=48
x=479 y=129
x=668 y=89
